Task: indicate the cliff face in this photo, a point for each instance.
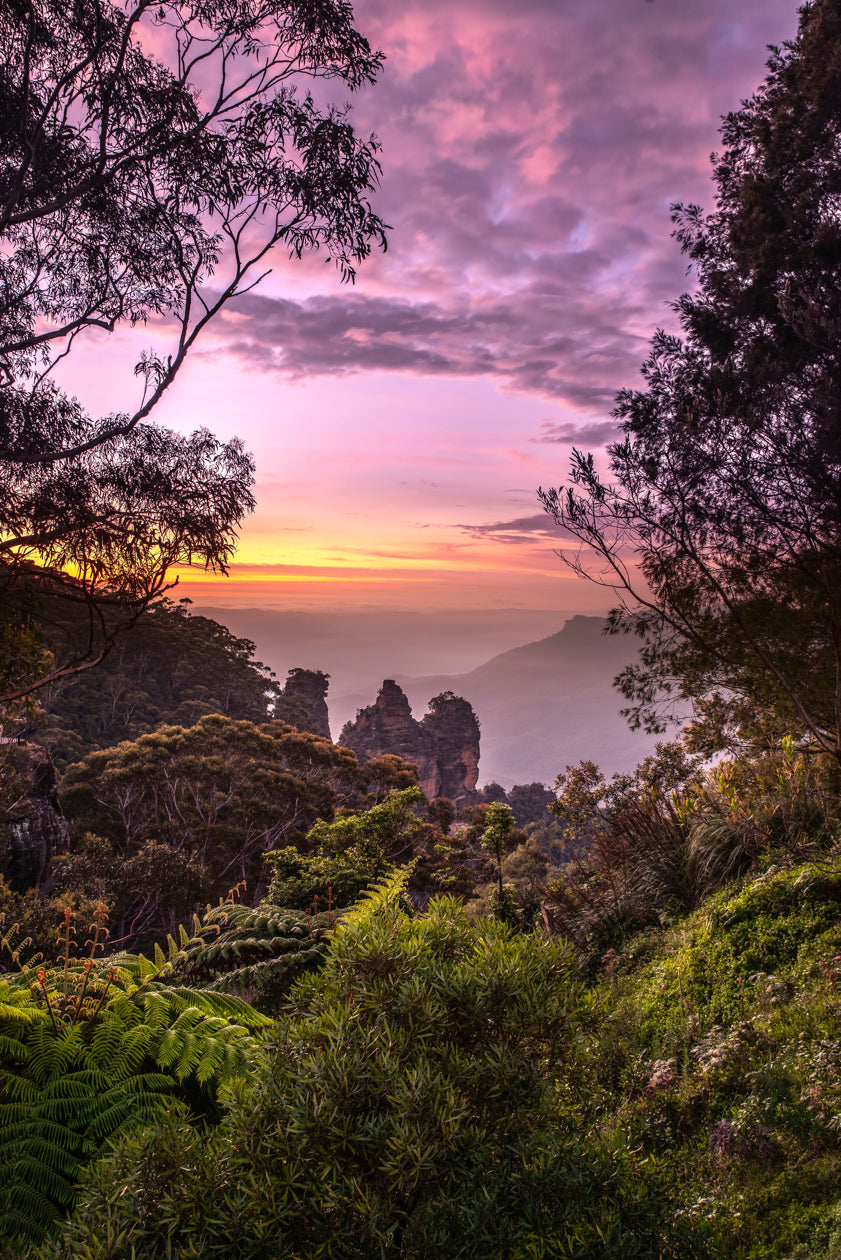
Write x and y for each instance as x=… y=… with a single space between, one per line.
x=454 y=730
x=302 y=703
x=31 y=828
x=444 y=745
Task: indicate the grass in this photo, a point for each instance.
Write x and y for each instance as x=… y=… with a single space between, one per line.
x=714 y=1055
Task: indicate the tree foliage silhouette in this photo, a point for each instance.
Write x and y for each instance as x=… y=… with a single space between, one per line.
x=151 y=157
x=720 y=528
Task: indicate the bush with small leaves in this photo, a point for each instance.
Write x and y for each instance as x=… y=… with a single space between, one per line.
x=407 y=1102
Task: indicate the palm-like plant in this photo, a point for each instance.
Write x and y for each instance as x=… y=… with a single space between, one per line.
x=255 y=953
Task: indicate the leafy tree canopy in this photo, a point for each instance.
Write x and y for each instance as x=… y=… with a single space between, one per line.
x=173 y=669
x=151 y=157
x=348 y=854
x=186 y=813
x=720 y=527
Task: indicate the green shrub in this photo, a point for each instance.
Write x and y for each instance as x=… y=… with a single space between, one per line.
x=715 y=1050
x=408 y=1103
x=89 y=1047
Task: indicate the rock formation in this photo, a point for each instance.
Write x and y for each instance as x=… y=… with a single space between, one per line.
x=444 y=745
x=32 y=830
x=302 y=702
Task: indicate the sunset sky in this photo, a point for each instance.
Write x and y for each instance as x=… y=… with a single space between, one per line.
x=402 y=426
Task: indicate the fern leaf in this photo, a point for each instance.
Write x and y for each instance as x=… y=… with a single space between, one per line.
x=122 y=1105
x=211 y=1057
x=12 y=1049
x=387 y=893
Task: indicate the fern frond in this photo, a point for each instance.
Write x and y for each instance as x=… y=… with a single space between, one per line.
x=90 y=1049
x=107 y=1040
x=222 y=1005
x=126 y=1008
x=138 y=1105
x=264 y=976
x=47 y=1133
x=387 y=893
x=256 y=952
x=157 y=1008
x=16 y=1003
x=51 y=1054
x=18 y=1088
x=13 y=1049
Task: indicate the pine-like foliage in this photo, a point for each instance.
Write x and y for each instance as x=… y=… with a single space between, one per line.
x=88 y=1046
x=389 y=892
x=257 y=954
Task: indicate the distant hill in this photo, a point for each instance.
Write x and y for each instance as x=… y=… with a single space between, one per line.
x=541 y=707
x=358 y=649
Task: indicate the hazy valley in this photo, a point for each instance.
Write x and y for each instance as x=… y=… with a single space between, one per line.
x=541 y=706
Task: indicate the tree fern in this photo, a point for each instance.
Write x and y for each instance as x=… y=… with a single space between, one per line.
x=388 y=892
x=56 y=1110
x=88 y=1046
x=254 y=953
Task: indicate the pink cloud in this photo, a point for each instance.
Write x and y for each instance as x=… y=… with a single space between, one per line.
x=530 y=156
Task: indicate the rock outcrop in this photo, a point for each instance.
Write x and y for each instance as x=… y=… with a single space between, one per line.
x=32 y=829
x=444 y=745
x=303 y=703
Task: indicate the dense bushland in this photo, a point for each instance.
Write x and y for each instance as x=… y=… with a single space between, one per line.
x=89 y=1047
x=408 y=1100
x=662 y=1082
x=618 y=1032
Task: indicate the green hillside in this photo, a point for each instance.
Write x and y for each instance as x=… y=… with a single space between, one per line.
x=714 y=1055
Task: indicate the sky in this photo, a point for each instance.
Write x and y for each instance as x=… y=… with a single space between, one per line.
x=402 y=425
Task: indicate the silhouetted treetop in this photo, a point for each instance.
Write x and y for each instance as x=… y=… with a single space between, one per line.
x=720 y=525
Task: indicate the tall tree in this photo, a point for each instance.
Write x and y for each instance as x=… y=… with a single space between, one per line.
x=186 y=813
x=151 y=157
x=175 y=669
x=720 y=528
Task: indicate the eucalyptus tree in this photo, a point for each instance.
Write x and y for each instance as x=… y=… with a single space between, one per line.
x=719 y=526
x=152 y=156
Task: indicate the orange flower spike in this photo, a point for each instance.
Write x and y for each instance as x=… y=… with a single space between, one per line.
x=41 y=976
x=86 y=971
x=100 y=917
x=112 y=975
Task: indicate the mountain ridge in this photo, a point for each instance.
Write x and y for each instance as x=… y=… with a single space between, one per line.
x=541 y=706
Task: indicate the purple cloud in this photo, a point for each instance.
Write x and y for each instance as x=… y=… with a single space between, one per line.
x=508 y=339
x=523 y=529
x=530 y=156
x=580 y=436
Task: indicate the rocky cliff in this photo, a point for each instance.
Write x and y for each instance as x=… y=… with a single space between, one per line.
x=303 y=703
x=32 y=830
x=444 y=745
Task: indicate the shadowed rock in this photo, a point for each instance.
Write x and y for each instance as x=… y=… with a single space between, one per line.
x=32 y=830
x=302 y=703
x=444 y=745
